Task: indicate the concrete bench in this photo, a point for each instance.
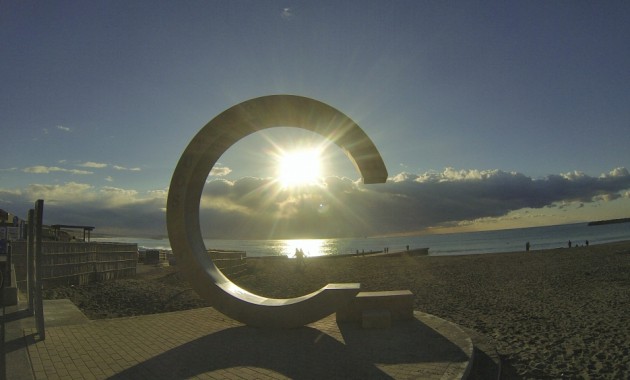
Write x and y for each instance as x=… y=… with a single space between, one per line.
x=378 y=309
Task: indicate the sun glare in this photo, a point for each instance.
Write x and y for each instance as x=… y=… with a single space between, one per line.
x=310 y=247
x=299 y=168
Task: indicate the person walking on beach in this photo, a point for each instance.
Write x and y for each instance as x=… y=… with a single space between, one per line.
x=299 y=256
x=527 y=247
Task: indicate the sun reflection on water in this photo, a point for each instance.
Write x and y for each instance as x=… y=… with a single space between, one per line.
x=311 y=247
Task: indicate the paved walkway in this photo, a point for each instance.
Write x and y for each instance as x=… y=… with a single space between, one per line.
x=204 y=344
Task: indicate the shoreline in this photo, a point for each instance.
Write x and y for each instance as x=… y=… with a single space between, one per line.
x=552 y=313
x=473 y=242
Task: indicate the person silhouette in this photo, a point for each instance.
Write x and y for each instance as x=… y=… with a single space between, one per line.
x=299 y=256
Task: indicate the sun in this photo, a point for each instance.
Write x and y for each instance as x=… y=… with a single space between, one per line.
x=299 y=168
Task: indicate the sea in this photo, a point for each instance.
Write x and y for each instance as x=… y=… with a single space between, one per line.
x=469 y=243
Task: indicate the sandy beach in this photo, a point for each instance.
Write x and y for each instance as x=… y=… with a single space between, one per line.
x=560 y=313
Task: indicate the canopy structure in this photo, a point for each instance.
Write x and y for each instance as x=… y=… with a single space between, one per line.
x=86 y=230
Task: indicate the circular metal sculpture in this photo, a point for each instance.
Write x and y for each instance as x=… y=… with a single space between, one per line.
x=187 y=185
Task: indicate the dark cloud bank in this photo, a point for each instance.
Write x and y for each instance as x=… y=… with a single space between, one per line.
x=406 y=203
x=339 y=207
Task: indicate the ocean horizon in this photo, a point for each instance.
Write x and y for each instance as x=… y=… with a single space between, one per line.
x=464 y=243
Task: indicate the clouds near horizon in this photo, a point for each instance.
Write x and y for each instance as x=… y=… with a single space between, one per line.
x=253 y=207
x=44 y=169
x=41 y=169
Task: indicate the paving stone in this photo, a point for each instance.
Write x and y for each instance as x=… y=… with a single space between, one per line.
x=204 y=344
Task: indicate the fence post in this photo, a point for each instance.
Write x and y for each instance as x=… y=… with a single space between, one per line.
x=30 y=260
x=8 y=278
x=39 y=303
x=3 y=363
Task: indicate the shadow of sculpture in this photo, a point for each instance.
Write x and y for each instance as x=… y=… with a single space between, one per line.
x=404 y=342
x=305 y=353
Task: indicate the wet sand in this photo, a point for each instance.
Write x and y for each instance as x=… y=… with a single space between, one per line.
x=560 y=313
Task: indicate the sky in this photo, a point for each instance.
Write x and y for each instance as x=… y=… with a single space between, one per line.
x=488 y=115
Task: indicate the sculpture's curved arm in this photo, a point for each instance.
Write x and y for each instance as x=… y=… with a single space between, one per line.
x=187 y=186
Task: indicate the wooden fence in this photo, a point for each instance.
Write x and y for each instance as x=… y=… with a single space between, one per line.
x=231 y=263
x=78 y=263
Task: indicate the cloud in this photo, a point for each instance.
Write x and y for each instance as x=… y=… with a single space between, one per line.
x=100 y=165
x=40 y=169
x=286 y=13
x=258 y=208
x=109 y=209
x=117 y=167
x=220 y=171
x=69 y=193
x=617 y=172
x=62 y=128
x=407 y=202
x=90 y=164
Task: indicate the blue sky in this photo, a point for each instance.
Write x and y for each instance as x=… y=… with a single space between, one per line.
x=487 y=114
